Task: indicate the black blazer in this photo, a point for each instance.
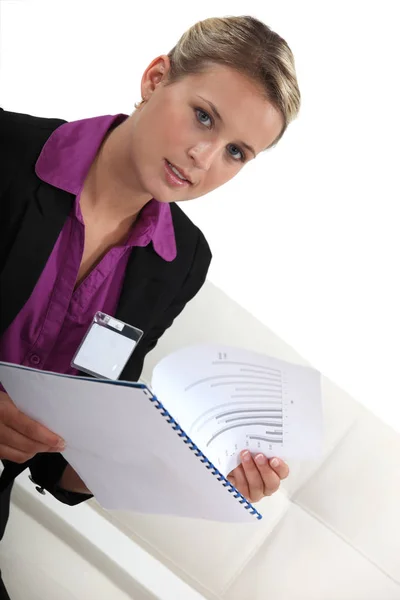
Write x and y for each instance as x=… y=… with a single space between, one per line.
x=32 y=214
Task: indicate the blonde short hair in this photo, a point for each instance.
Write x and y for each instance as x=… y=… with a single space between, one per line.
x=248 y=46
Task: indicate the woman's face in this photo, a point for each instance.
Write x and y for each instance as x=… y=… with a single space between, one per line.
x=193 y=136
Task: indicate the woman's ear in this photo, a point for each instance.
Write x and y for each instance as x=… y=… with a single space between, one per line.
x=155 y=74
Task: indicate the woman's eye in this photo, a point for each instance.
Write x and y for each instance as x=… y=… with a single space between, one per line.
x=236 y=152
x=203 y=117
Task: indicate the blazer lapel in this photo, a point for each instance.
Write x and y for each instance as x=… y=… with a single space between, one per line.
x=42 y=223
x=149 y=286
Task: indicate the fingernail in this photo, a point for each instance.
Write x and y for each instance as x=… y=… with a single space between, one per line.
x=260 y=458
x=274 y=463
x=61 y=445
x=246 y=456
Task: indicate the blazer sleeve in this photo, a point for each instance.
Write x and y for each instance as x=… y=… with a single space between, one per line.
x=47 y=469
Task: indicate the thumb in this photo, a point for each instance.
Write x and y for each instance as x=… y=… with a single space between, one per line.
x=231 y=480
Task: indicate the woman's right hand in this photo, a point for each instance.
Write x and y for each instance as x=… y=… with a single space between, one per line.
x=21 y=437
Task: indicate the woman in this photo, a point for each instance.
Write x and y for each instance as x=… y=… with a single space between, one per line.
x=89 y=220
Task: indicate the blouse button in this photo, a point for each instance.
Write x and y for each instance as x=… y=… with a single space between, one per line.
x=35 y=359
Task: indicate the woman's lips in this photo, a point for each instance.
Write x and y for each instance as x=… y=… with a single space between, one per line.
x=172 y=178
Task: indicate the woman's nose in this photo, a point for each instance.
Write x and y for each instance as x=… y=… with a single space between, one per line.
x=203 y=154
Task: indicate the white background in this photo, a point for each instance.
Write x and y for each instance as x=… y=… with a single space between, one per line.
x=306 y=237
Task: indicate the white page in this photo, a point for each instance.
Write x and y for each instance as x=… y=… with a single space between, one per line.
x=229 y=399
x=122 y=447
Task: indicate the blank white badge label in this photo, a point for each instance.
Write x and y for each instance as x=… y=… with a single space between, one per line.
x=104 y=352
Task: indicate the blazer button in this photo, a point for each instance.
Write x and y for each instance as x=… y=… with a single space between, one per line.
x=35 y=359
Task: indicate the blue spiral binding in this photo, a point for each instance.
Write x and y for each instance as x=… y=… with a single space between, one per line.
x=208 y=464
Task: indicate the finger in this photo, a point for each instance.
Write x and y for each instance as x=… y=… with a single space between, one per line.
x=33 y=430
x=241 y=482
x=13 y=454
x=270 y=478
x=14 y=439
x=280 y=467
x=253 y=476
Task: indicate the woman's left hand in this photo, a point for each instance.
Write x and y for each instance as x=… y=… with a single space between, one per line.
x=259 y=476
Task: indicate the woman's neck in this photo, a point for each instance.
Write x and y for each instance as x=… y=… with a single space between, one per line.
x=109 y=188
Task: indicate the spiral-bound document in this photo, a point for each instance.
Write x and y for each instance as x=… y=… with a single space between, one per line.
x=168 y=449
